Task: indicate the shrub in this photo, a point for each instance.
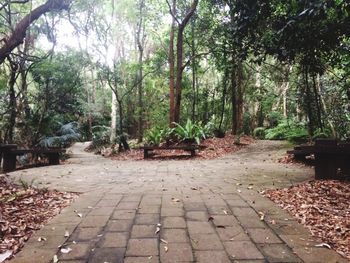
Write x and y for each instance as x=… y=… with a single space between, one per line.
x=190 y=132
x=274 y=118
x=100 y=136
x=288 y=131
x=154 y=136
x=65 y=136
x=259 y=133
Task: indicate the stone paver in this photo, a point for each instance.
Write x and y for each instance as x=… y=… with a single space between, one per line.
x=206 y=211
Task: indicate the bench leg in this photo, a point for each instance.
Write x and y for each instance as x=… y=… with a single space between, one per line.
x=325 y=167
x=54 y=158
x=145 y=154
x=193 y=153
x=9 y=162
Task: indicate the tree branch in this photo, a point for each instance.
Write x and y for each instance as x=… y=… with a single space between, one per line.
x=19 y=33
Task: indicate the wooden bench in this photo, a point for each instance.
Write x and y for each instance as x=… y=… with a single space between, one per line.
x=148 y=149
x=10 y=152
x=330 y=156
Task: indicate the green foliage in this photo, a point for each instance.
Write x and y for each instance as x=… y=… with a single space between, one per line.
x=66 y=135
x=274 y=118
x=259 y=133
x=154 y=136
x=290 y=131
x=190 y=132
x=100 y=136
x=247 y=123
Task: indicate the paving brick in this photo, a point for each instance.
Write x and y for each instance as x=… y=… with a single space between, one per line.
x=200 y=227
x=197 y=216
x=114 y=239
x=94 y=221
x=278 y=253
x=224 y=220
x=219 y=210
x=263 y=235
x=143 y=231
x=251 y=222
x=85 y=233
x=212 y=256
x=206 y=242
x=234 y=233
x=237 y=203
x=128 y=205
x=175 y=235
x=106 y=254
x=147 y=219
x=173 y=222
x=172 y=211
x=150 y=259
x=124 y=214
x=101 y=211
x=243 y=211
x=195 y=207
x=79 y=251
x=142 y=247
x=119 y=225
x=107 y=203
x=148 y=209
x=242 y=250
x=41 y=255
x=177 y=252
x=131 y=198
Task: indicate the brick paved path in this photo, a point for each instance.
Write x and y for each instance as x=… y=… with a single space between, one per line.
x=123 y=203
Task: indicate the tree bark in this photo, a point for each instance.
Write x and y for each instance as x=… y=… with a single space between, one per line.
x=171 y=58
x=140 y=38
x=239 y=97
x=12 y=103
x=19 y=33
x=179 y=59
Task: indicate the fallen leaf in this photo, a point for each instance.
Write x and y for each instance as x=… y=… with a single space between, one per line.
x=5 y=255
x=175 y=200
x=55 y=259
x=194 y=188
x=210 y=218
x=220 y=226
x=262 y=216
x=66 y=233
x=157 y=230
x=225 y=212
x=164 y=241
x=66 y=250
x=166 y=248
x=41 y=239
x=323 y=245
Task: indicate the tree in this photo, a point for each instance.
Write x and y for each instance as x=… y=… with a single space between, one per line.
x=16 y=37
x=178 y=70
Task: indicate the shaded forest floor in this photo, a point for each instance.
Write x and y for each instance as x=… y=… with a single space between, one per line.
x=24 y=210
x=321 y=206
x=213 y=148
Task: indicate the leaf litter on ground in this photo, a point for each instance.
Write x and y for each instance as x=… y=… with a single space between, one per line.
x=26 y=210
x=323 y=207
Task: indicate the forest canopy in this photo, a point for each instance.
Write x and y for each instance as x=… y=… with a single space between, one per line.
x=126 y=68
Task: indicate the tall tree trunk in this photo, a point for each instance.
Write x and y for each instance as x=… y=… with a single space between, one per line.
x=224 y=89
x=194 y=79
x=179 y=59
x=140 y=36
x=113 y=134
x=239 y=97
x=233 y=99
x=311 y=126
x=12 y=102
x=171 y=58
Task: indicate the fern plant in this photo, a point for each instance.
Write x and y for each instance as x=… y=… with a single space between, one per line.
x=190 y=132
x=65 y=136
